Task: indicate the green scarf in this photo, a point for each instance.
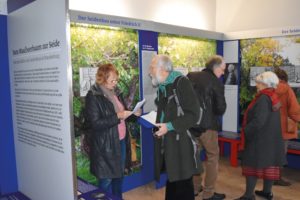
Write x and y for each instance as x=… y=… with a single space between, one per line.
x=170 y=79
x=162 y=87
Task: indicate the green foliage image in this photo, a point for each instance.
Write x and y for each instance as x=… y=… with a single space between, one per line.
x=264 y=52
x=92 y=45
x=186 y=51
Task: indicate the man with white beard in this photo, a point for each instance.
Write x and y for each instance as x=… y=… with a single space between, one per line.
x=174 y=147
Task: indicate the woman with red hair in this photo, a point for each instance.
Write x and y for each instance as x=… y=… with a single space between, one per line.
x=106 y=115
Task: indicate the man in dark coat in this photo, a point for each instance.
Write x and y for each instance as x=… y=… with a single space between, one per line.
x=210 y=91
x=177 y=111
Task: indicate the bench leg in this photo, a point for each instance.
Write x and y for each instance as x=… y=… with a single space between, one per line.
x=234 y=154
x=221 y=146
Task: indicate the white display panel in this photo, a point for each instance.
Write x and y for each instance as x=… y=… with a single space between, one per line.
x=41 y=82
x=3 y=7
x=87 y=77
x=149 y=90
x=293 y=73
x=230 y=118
x=231 y=51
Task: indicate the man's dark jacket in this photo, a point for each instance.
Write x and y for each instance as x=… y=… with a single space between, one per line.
x=206 y=83
x=175 y=152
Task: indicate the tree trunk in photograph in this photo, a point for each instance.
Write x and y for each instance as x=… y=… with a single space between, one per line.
x=133 y=150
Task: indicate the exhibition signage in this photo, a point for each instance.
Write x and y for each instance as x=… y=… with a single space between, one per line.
x=262 y=33
x=148 y=48
x=108 y=20
x=41 y=85
x=124 y=22
x=231 y=116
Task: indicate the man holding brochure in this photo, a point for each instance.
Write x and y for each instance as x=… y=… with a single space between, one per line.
x=177 y=111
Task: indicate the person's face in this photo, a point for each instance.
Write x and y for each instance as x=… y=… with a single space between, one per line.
x=111 y=81
x=219 y=71
x=154 y=72
x=260 y=86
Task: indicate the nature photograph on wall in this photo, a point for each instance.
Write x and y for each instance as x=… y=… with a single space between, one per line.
x=187 y=53
x=265 y=54
x=92 y=45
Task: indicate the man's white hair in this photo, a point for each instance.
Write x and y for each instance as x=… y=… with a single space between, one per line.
x=164 y=62
x=268 y=78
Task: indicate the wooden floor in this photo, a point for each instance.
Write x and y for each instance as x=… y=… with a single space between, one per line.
x=231 y=182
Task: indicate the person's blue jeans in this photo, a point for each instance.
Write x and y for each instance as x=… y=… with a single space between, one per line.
x=115 y=183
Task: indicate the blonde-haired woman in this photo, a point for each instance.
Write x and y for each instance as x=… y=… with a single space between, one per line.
x=106 y=115
x=262 y=143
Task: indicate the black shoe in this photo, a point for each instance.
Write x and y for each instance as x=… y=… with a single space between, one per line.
x=268 y=196
x=216 y=196
x=282 y=182
x=246 y=198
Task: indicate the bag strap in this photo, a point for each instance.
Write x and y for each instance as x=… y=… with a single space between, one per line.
x=175 y=86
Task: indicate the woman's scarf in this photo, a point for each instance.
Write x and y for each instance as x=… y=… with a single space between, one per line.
x=110 y=95
x=270 y=92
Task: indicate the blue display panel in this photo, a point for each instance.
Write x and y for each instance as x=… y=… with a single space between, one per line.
x=8 y=174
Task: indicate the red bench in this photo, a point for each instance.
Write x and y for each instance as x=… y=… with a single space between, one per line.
x=294 y=151
x=234 y=147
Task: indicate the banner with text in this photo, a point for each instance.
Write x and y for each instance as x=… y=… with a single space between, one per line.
x=41 y=82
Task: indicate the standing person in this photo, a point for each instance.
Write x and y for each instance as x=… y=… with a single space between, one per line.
x=262 y=143
x=290 y=115
x=177 y=111
x=106 y=113
x=210 y=92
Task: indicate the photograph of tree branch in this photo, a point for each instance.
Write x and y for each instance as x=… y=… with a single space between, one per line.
x=92 y=45
x=186 y=52
x=265 y=54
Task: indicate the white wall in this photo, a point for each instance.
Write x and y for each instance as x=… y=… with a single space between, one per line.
x=200 y=14
x=240 y=15
x=3 y=7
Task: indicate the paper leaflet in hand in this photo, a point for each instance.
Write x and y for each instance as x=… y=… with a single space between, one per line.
x=138 y=105
x=150 y=117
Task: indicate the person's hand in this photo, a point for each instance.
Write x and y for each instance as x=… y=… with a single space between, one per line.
x=162 y=129
x=124 y=114
x=138 y=112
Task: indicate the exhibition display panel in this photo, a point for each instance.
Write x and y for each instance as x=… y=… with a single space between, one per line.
x=50 y=62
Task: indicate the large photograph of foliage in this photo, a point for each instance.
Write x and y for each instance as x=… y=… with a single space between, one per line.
x=93 y=44
x=186 y=52
x=266 y=52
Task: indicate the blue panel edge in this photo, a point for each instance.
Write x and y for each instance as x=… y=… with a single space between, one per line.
x=8 y=171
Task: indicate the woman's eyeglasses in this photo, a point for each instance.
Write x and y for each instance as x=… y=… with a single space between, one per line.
x=114 y=81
